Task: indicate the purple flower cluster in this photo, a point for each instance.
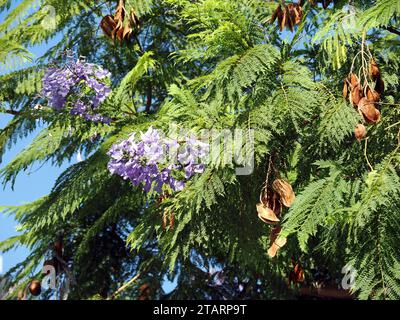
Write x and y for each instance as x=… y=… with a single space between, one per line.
x=79 y=84
x=155 y=160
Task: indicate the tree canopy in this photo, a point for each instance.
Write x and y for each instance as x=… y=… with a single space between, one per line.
x=314 y=84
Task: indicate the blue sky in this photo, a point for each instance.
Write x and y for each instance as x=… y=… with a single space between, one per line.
x=29 y=186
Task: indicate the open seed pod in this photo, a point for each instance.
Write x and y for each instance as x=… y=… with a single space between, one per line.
x=121 y=25
x=276 y=14
x=373 y=95
x=360 y=132
x=368 y=110
x=275 y=242
x=282 y=20
x=108 y=25
x=266 y=214
x=298 y=13
x=285 y=192
x=354 y=81
x=271 y=200
x=275 y=246
x=355 y=88
x=289 y=17
x=374 y=69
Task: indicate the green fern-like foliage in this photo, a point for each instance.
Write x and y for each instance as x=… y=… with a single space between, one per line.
x=209 y=66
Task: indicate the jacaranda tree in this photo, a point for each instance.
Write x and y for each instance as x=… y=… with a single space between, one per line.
x=157 y=97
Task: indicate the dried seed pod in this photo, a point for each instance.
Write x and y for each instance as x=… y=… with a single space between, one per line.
x=35 y=288
x=280 y=14
x=276 y=245
x=274 y=234
x=134 y=20
x=380 y=85
x=120 y=13
x=360 y=132
x=266 y=214
x=108 y=25
x=356 y=95
x=276 y=14
x=283 y=20
x=290 y=14
x=345 y=89
x=285 y=192
x=354 y=81
x=299 y=273
x=298 y=13
x=374 y=69
x=373 y=95
x=368 y=110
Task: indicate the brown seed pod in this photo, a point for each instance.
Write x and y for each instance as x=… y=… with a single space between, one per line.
x=108 y=25
x=35 y=288
x=283 y=20
x=380 y=85
x=374 y=69
x=290 y=14
x=120 y=13
x=134 y=20
x=368 y=110
x=266 y=214
x=276 y=245
x=360 y=132
x=285 y=192
x=274 y=234
x=373 y=95
x=356 y=95
x=354 y=81
x=345 y=89
x=275 y=14
x=298 y=13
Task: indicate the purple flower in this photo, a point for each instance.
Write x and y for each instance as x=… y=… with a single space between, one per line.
x=65 y=83
x=141 y=161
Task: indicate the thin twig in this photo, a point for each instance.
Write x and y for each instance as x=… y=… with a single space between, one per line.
x=366 y=156
x=124 y=287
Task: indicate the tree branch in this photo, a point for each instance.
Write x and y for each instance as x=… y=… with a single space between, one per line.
x=9 y=111
x=392 y=30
